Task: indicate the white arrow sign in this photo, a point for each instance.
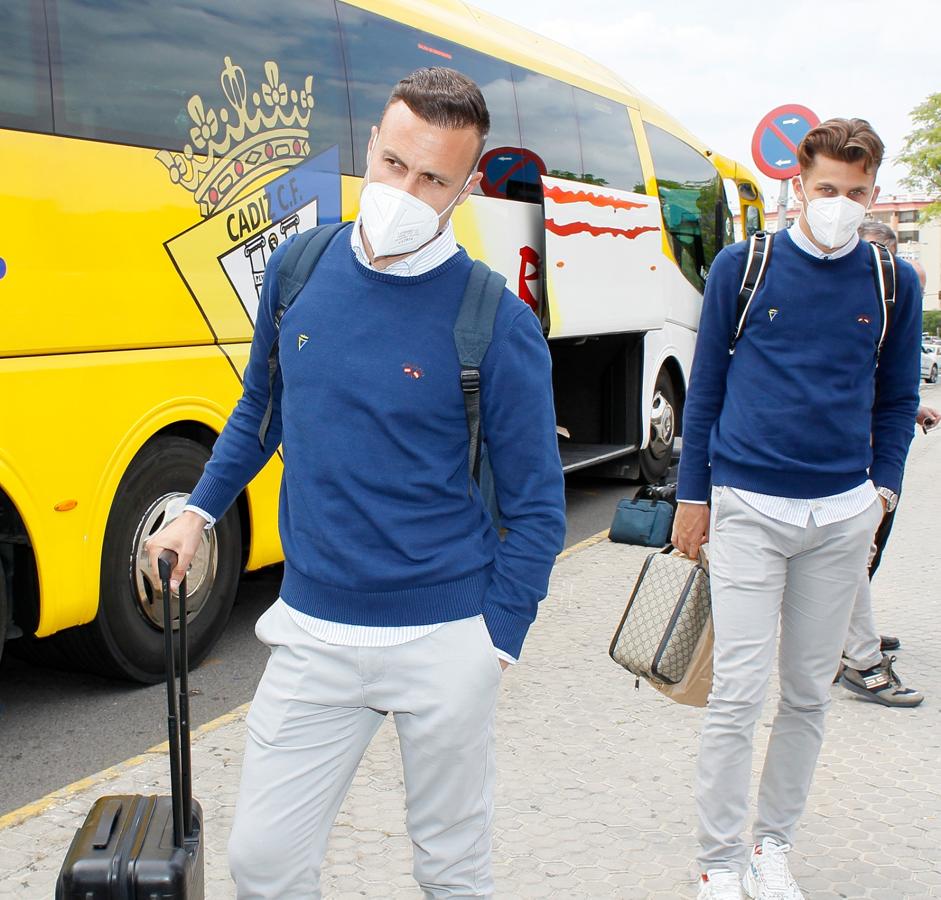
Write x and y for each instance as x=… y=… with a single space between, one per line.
x=784 y=162
x=789 y=121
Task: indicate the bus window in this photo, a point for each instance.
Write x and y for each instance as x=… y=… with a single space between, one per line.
x=692 y=201
x=24 y=69
x=548 y=126
x=380 y=52
x=609 y=151
x=124 y=71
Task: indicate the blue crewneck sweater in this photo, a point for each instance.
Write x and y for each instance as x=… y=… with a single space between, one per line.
x=800 y=410
x=375 y=518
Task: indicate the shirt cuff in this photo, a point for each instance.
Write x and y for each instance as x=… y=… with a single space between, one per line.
x=502 y=654
x=694 y=502
x=210 y=520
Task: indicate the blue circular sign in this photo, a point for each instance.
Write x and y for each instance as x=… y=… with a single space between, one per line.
x=774 y=144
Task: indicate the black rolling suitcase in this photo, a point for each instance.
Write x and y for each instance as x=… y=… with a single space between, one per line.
x=145 y=848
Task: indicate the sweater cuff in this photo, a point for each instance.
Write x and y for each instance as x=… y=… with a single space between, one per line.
x=507 y=629
x=212 y=496
x=693 y=488
x=886 y=475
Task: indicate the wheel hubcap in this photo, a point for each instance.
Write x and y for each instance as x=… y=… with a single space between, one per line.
x=147 y=592
x=661 y=426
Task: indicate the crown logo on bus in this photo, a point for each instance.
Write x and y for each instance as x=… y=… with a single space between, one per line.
x=231 y=148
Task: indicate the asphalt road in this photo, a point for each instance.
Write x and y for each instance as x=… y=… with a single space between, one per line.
x=57 y=727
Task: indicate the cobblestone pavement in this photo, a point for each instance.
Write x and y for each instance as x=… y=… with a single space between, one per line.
x=594 y=794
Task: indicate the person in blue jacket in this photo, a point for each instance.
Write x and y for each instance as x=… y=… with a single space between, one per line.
x=798 y=439
x=398 y=594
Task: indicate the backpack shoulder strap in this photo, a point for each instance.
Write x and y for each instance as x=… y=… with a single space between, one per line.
x=883 y=271
x=294 y=268
x=759 y=255
x=473 y=331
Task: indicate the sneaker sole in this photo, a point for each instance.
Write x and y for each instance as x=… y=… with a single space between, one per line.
x=875 y=698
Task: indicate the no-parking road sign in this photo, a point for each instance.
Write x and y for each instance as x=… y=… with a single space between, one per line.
x=774 y=145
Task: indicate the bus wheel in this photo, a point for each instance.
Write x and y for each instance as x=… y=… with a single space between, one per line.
x=126 y=637
x=4 y=608
x=655 y=457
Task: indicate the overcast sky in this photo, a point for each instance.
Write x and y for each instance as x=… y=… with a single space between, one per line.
x=719 y=67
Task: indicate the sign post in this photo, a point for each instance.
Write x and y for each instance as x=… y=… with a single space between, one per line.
x=774 y=147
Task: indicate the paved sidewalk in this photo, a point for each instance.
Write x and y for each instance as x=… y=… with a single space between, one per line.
x=594 y=794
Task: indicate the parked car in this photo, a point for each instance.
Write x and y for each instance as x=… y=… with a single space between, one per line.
x=929 y=363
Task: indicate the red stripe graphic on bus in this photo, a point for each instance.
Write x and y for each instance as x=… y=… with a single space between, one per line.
x=596 y=230
x=560 y=195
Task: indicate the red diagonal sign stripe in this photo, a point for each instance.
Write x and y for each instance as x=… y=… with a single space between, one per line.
x=787 y=141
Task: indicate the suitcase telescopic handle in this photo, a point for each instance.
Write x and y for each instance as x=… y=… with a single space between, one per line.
x=166 y=562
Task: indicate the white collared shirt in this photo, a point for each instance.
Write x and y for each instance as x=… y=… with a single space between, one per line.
x=825 y=510
x=437 y=251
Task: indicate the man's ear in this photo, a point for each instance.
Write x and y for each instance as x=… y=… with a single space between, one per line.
x=798 y=190
x=471 y=185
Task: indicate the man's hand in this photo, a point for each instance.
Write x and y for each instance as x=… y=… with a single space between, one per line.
x=182 y=536
x=504 y=665
x=927 y=418
x=690 y=528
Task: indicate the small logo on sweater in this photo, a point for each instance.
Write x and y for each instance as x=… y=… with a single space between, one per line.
x=301 y=340
x=864 y=320
x=412 y=371
x=772 y=313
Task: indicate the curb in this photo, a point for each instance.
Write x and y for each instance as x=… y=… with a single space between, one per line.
x=37 y=807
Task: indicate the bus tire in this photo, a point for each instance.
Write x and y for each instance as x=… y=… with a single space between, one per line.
x=4 y=608
x=655 y=458
x=125 y=640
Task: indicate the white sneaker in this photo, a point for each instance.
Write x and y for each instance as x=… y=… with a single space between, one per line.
x=767 y=876
x=719 y=884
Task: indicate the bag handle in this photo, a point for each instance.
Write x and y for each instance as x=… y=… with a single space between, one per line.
x=703 y=560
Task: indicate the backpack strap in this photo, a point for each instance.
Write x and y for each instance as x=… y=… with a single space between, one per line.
x=473 y=332
x=294 y=269
x=883 y=271
x=759 y=255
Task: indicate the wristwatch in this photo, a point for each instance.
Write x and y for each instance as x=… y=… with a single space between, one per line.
x=890 y=497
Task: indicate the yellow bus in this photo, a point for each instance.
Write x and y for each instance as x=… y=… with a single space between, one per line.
x=155 y=154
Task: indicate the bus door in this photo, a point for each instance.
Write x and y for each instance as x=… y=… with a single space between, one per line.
x=602 y=259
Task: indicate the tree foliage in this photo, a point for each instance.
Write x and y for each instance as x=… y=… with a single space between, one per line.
x=921 y=153
x=931 y=321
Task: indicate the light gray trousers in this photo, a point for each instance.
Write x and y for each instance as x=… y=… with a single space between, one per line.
x=863 y=648
x=763 y=572
x=316 y=709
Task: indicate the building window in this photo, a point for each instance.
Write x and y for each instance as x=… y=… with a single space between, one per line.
x=908 y=215
x=909 y=237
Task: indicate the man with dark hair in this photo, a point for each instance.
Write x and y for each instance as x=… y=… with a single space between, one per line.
x=801 y=441
x=398 y=595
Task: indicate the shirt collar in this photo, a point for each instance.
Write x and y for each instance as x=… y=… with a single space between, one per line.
x=796 y=234
x=432 y=255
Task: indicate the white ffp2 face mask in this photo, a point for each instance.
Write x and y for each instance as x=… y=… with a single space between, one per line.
x=833 y=220
x=397 y=222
